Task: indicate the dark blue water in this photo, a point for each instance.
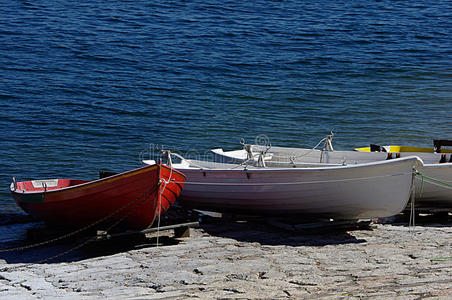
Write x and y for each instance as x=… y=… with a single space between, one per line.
x=89 y=85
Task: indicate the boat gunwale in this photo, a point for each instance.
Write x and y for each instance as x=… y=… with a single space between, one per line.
x=92 y=183
x=418 y=160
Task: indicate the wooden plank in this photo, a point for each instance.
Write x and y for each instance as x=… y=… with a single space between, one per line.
x=104 y=235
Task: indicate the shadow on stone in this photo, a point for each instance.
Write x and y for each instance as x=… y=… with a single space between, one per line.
x=38 y=232
x=89 y=250
x=274 y=231
x=422 y=218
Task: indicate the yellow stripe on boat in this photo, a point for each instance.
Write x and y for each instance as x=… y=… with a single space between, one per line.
x=396 y=149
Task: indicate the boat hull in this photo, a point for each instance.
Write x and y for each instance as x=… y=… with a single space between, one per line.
x=372 y=190
x=434 y=195
x=433 y=192
x=130 y=199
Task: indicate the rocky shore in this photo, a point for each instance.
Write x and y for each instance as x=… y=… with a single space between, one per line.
x=247 y=259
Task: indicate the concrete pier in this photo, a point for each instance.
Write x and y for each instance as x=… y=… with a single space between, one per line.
x=243 y=259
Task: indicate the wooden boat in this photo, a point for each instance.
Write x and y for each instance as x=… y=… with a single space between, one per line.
x=371 y=190
x=133 y=199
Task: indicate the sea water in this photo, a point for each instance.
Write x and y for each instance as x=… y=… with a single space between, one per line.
x=91 y=85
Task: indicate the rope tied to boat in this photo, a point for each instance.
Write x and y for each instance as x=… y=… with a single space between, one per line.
x=434 y=181
x=423 y=178
x=327 y=146
x=90 y=239
x=411 y=222
x=146 y=194
x=163 y=183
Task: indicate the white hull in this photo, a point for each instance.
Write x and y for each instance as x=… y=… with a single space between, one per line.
x=378 y=189
x=434 y=196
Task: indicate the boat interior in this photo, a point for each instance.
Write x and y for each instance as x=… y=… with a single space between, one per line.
x=45 y=185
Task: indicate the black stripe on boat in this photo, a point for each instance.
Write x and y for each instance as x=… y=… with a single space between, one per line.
x=178 y=184
x=174 y=193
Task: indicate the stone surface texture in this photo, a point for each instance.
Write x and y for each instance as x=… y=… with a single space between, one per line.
x=229 y=259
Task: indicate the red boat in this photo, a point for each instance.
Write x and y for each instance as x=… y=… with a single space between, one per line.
x=130 y=199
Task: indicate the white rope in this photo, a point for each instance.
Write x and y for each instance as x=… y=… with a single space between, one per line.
x=159 y=207
x=411 y=222
x=290 y=158
x=289 y=183
x=293 y=157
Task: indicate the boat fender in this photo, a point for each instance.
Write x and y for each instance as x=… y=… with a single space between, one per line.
x=443 y=158
x=397 y=155
x=248 y=175
x=204 y=174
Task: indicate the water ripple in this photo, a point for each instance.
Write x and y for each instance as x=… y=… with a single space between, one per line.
x=89 y=85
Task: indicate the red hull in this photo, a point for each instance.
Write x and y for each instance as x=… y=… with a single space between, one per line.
x=131 y=198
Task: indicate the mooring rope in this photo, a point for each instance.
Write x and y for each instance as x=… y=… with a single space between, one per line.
x=151 y=190
x=90 y=239
x=434 y=181
x=292 y=158
x=421 y=191
x=411 y=222
x=424 y=178
x=159 y=207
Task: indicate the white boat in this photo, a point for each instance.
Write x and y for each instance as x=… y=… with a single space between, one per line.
x=434 y=187
x=287 y=157
x=433 y=183
x=370 y=190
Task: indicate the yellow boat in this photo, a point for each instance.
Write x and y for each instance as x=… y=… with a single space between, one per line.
x=437 y=148
x=398 y=149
